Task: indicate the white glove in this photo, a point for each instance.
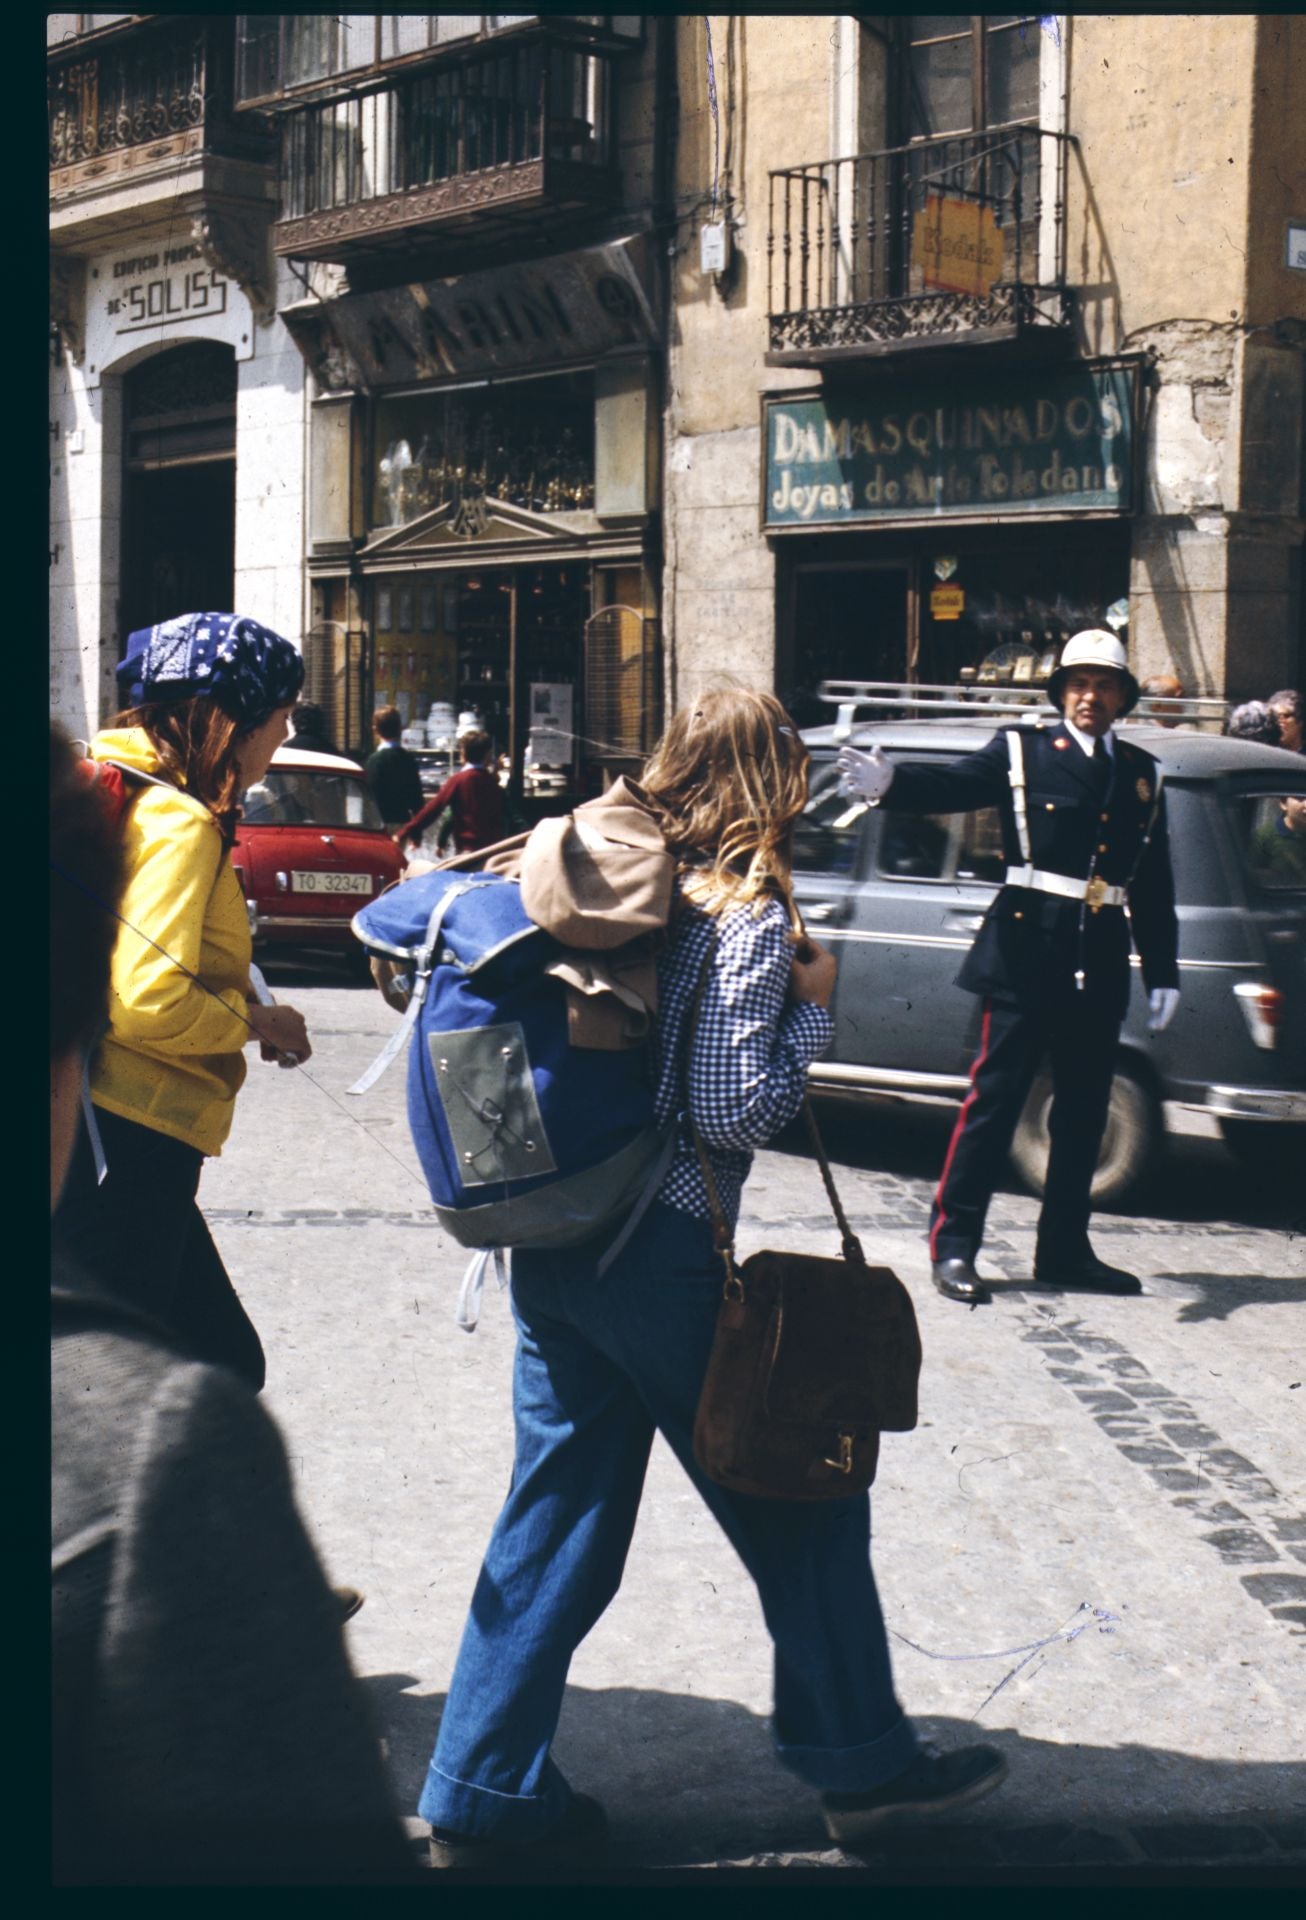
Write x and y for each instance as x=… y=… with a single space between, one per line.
x=1162 y=1001
x=869 y=775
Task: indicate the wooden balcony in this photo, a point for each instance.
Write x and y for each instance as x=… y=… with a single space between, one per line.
x=471 y=146
x=143 y=102
x=952 y=241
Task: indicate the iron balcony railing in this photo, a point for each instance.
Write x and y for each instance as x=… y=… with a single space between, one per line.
x=942 y=239
x=523 y=124
x=163 y=83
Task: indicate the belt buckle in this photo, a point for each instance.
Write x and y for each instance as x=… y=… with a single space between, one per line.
x=1095 y=892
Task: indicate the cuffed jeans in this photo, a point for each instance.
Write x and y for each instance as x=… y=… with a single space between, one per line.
x=600 y=1364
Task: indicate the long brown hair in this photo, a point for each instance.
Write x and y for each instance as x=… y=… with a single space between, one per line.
x=198 y=748
x=728 y=779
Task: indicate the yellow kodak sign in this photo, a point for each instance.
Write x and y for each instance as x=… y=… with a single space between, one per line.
x=947 y=603
x=956 y=245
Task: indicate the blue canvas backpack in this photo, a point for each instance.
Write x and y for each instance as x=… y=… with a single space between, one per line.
x=525 y=1139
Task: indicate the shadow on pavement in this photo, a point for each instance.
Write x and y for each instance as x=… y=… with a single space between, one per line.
x=690 y=1781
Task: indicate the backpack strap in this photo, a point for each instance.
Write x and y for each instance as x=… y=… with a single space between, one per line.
x=92 y=1124
x=473 y=1286
x=1016 y=775
x=425 y=966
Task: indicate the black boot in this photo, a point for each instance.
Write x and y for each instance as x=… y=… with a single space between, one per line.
x=1082 y=1270
x=957 y=1279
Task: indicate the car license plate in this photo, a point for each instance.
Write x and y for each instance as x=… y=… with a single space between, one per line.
x=331 y=883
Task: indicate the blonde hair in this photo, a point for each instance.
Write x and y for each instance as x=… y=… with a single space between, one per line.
x=728 y=779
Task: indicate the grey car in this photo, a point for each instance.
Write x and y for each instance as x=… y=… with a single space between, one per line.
x=898 y=898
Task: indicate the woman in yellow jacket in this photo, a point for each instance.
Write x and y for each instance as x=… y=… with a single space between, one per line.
x=207 y=698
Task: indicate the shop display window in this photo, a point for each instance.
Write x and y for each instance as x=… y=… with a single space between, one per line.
x=529 y=444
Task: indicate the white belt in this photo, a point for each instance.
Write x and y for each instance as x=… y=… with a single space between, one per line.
x=1095 y=892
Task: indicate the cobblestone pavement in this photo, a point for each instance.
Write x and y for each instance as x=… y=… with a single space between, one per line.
x=1092 y=1550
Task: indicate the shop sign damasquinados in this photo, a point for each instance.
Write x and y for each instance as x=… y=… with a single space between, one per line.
x=1020 y=444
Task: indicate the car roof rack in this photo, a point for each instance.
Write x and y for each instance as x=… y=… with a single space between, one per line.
x=855 y=700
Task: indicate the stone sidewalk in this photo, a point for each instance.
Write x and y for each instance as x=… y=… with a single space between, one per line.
x=1090 y=1551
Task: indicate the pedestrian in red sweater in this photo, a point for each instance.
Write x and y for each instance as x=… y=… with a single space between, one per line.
x=474 y=794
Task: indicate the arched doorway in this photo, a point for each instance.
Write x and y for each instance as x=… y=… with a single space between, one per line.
x=179 y=484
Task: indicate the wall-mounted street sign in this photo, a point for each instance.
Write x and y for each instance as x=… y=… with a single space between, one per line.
x=1010 y=445
x=145 y=295
x=1295 y=246
x=956 y=245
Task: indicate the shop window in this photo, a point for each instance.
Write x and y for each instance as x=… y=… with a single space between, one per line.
x=530 y=445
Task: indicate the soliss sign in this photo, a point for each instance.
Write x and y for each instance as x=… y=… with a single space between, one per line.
x=164 y=292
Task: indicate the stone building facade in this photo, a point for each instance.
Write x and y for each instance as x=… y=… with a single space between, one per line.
x=564 y=363
x=177 y=421
x=1149 y=236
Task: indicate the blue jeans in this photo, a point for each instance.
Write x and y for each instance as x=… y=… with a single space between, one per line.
x=600 y=1364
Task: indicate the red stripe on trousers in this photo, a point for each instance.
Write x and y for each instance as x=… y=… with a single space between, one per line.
x=959 y=1129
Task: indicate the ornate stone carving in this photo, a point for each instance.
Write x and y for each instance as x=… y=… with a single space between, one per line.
x=234 y=242
x=68 y=303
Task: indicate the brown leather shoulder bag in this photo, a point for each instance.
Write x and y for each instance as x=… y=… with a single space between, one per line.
x=812 y=1360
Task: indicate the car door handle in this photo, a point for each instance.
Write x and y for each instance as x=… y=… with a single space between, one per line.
x=823 y=910
x=963 y=922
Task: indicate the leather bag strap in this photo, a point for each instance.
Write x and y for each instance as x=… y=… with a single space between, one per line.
x=723 y=1238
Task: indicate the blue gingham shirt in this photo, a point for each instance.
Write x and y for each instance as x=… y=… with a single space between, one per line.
x=752 y=1049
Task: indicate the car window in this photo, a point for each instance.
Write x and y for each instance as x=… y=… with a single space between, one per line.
x=827 y=833
x=1272 y=834
x=293 y=797
x=942 y=846
x=915 y=846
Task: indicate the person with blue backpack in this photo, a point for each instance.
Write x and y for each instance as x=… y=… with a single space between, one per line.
x=610 y=1351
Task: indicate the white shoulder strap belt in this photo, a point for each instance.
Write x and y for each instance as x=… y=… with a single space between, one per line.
x=1016 y=774
x=1096 y=892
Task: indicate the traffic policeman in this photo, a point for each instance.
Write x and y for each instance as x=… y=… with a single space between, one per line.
x=1084 y=835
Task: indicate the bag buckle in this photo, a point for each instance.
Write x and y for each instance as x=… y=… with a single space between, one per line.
x=844 y=1464
x=1095 y=893
x=734 y=1286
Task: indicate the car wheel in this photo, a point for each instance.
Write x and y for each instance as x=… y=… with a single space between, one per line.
x=1134 y=1130
x=1271 y=1146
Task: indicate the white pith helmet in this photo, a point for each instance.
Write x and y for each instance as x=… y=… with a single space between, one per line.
x=1094 y=647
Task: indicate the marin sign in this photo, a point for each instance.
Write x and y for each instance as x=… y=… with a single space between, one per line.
x=1028 y=443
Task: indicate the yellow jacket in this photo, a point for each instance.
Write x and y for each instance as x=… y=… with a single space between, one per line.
x=172 y=1058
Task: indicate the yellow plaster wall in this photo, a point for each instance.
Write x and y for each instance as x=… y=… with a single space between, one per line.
x=1161 y=105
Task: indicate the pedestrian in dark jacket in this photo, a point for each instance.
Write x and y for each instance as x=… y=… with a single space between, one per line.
x=308 y=732
x=474 y=794
x=207 y=1728
x=1084 y=831
x=392 y=771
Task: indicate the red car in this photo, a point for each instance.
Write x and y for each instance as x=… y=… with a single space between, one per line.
x=309 y=851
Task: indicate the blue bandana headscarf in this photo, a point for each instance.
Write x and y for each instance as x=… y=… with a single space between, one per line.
x=249 y=670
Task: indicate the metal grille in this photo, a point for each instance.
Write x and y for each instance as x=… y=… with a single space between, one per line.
x=333 y=679
x=621 y=683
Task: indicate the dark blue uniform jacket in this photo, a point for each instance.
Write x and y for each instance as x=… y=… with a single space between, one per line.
x=1031 y=942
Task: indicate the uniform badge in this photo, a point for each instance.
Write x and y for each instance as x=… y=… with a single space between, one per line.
x=1061 y=745
x=1143 y=790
